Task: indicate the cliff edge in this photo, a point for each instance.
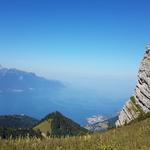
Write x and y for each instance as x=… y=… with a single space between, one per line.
x=139 y=103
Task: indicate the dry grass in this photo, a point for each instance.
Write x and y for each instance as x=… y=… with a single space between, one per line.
x=133 y=137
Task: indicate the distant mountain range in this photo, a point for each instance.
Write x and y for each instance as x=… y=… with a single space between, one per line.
x=17 y=121
x=14 y=80
x=23 y=92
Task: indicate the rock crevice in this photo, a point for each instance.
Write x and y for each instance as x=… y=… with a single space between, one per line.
x=139 y=103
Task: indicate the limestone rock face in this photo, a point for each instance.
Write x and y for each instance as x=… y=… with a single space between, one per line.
x=139 y=103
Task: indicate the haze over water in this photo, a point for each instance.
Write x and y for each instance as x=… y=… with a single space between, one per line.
x=92 y=46
x=104 y=97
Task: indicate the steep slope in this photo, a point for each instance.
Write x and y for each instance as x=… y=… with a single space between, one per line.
x=17 y=121
x=55 y=124
x=139 y=103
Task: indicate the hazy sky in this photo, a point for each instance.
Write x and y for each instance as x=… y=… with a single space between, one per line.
x=71 y=39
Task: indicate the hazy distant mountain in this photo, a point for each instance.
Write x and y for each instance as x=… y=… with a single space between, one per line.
x=18 y=81
x=17 y=121
x=26 y=93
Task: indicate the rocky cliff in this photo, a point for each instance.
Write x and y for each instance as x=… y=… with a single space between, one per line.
x=139 y=103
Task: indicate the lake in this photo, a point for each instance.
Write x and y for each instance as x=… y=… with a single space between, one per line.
x=76 y=102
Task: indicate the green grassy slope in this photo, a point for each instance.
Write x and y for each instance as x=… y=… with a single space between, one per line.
x=55 y=124
x=44 y=126
x=135 y=136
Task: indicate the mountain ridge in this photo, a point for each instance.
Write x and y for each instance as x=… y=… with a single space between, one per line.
x=15 y=79
x=17 y=121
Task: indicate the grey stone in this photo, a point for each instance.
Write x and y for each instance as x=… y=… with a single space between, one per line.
x=140 y=102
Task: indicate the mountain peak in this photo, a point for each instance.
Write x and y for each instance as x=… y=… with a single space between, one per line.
x=56 y=113
x=56 y=124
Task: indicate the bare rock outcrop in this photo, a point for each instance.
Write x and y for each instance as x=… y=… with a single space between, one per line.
x=139 y=103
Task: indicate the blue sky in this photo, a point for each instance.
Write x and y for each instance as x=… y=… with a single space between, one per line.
x=72 y=39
